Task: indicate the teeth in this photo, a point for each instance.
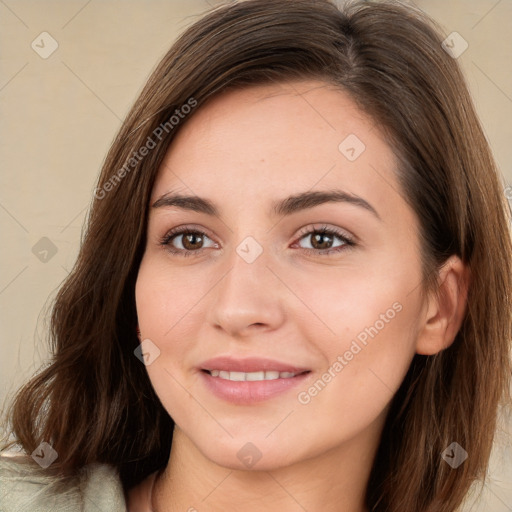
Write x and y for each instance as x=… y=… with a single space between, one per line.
x=251 y=376
x=255 y=376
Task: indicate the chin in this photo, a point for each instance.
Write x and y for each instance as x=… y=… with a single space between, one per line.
x=251 y=453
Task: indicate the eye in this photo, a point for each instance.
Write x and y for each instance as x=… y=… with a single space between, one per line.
x=322 y=239
x=192 y=240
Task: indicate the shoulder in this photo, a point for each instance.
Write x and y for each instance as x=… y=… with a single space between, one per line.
x=24 y=485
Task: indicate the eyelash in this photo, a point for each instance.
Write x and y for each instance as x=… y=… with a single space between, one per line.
x=348 y=242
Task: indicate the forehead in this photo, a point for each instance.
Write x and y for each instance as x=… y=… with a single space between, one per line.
x=264 y=142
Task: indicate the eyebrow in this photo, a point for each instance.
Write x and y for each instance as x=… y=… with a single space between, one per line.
x=283 y=207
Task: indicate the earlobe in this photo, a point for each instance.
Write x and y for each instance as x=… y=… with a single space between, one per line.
x=446 y=309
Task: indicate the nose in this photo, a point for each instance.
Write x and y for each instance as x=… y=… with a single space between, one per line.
x=248 y=298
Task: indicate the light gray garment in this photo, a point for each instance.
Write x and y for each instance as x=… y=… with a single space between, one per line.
x=27 y=487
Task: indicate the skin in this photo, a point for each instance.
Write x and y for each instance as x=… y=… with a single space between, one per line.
x=243 y=150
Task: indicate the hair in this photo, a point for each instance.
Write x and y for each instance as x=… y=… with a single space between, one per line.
x=95 y=402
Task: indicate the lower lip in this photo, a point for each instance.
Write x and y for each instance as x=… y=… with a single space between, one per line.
x=248 y=392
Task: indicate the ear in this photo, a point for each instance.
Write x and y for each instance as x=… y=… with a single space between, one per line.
x=445 y=311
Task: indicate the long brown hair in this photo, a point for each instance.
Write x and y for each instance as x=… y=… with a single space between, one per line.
x=95 y=402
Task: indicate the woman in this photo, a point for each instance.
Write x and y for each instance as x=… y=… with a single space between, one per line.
x=294 y=290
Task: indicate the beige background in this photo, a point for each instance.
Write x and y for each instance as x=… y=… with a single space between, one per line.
x=59 y=115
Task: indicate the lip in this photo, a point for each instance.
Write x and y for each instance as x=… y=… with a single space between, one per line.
x=250 y=392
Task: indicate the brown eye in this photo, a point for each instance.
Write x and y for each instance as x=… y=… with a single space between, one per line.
x=322 y=240
x=192 y=241
x=185 y=241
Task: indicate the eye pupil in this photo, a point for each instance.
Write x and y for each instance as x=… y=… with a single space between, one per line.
x=320 y=245
x=188 y=240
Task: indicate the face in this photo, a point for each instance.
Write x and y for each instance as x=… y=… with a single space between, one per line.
x=262 y=274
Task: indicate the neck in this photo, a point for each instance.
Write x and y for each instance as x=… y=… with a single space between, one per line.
x=335 y=481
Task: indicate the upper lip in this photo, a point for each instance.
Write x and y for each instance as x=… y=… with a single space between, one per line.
x=250 y=364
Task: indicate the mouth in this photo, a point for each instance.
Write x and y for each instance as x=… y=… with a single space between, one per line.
x=253 y=376
x=250 y=380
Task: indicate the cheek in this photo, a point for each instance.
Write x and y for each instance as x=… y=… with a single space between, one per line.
x=169 y=314
x=345 y=304
x=356 y=387
x=159 y=310
x=164 y=297
x=366 y=338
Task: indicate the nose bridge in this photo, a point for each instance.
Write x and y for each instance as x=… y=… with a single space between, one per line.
x=248 y=274
x=246 y=295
